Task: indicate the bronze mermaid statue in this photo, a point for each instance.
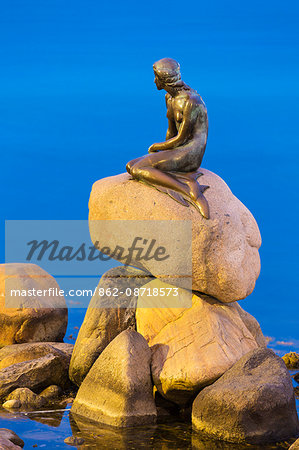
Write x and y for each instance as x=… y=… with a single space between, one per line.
x=172 y=166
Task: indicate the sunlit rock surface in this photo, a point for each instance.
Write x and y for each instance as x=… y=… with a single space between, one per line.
x=118 y=389
x=9 y=440
x=13 y=354
x=295 y=446
x=192 y=347
x=27 y=399
x=252 y=402
x=11 y=436
x=225 y=258
x=106 y=317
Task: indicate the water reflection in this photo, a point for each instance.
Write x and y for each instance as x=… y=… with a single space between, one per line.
x=52 y=419
x=163 y=436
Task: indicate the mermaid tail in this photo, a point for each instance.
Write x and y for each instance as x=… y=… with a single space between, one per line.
x=201 y=203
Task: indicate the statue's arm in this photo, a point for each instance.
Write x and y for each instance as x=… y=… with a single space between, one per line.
x=183 y=134
x=171 y=131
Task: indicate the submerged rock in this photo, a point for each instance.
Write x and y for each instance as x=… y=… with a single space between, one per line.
x=192 y=347
x=30 y=318
x=225 y=258
x=11 y=436
x=253 y=402
x=106 y=317
x=118 y=390
x=291 y=360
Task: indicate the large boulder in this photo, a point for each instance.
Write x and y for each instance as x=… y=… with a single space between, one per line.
x=106 y=317
x=26 y=316
x=36 y=370
x=118 y=389
x=252 y=402
x=225 y=258
x=291 y=360
x=6 y=444
x=192 y=347
x=11 y=436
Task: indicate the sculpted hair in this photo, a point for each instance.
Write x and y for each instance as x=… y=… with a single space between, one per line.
x=168 y=71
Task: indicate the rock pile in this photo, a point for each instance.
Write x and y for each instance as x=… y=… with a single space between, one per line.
x=145 y=349
x=210 y=354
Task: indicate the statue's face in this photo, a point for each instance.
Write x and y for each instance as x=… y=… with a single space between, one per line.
x=158 y=82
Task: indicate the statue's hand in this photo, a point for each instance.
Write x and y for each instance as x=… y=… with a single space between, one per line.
x=153 y=148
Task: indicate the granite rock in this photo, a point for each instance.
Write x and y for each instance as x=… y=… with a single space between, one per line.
x=35 y=374
x=11 y=436
x=11 y=404
x=52 y=392
x=118 y=389
x=30 y=318
x=295 y=446
x=225 y=257
x=253 y=402
x=13 y=354
x=192 y=347
x=106 y=317
x=6 y=444
x=27 y=399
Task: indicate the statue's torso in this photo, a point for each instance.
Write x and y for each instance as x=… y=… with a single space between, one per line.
x=176 y=106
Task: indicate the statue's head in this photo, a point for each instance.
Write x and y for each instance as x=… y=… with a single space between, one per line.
x=167 y=72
